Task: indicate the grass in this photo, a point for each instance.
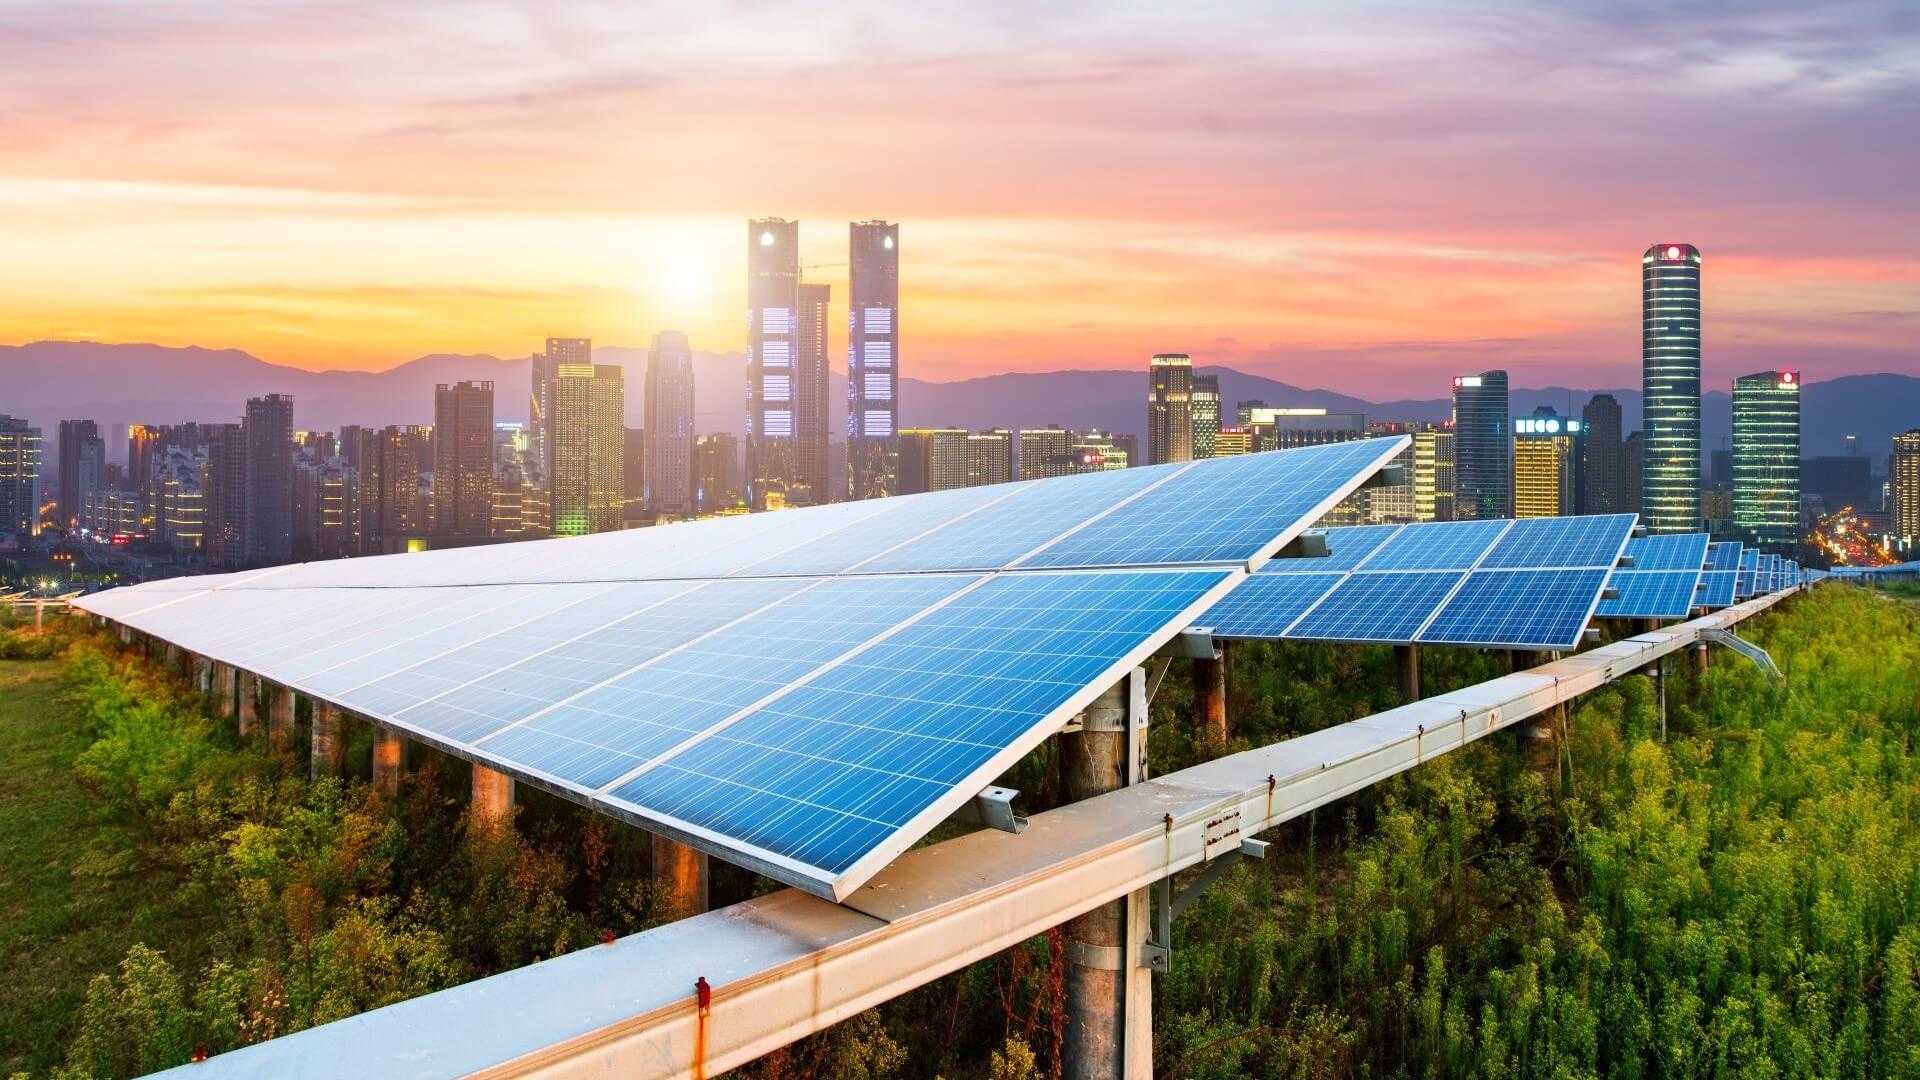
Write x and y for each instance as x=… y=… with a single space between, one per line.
x=75 y=889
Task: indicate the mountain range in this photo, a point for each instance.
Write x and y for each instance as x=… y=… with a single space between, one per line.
x=48 y=381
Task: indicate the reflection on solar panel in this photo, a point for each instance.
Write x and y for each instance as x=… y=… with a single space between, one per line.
x=1664 y=580
x=1499 y=583
x=1719 y=582
x=806 y=693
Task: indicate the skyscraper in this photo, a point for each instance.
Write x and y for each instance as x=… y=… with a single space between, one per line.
x=540 y=399
x=1600 y=471
x=932 y=459
x=83 y=467
x=463 y=460
x=989 y=457
x=1206 y=414
x=669 y=426
x=1633 y=459
x=1546 y=453
x=773 y=303
x=1766 y=458
x=1045 y=452
x=1670 y=378
x=224 y=495
x=1433 y=475
x=587 y=483
x=1903 y=485
x=873 y=359
x=810 y=397
x=269 y=499
x=19 y=477
x=1169 y=408
x=717 y=467
x=1482 y=447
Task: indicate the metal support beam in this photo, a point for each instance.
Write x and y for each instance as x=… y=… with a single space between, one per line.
x=1210 y=699
x=1406 y=670
x=1745 y=648
x=1659 y=672
x=1157 y=956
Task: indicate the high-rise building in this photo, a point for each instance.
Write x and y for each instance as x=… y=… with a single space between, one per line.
x=1633 y=459
x=326 y=507
x=1097 y=451
x=1045 y=452
x=1903 y=486
x=1169 y=408
x=1600 y=471
x=669 y=426
x=1243 y=413
x=1546 y=456
x=873 y=359
x=1670 y=390
x=224 y=495
x=1766 y=458
x=269 y=498
x=1482 y=447
x=520 y=507
x=717 y=472
x=1206 y=414
x=463 y=460
x=387 y=465
x=633 y=475
x=932 y=459
x=773 y=314
x=989 y=457
x=19 y=477
x=83 y=468
x=180 y=516
x=810 y=423
x=1285 y=428
x=1433 y=474
x=540 y=399
x=587 y=483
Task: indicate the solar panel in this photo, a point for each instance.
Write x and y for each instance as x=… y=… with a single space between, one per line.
x=773 y=689
x=1749 y=570
x=1476 y=583
x=1664 y=580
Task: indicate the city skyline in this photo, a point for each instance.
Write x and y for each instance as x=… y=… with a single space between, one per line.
x=1443 y=225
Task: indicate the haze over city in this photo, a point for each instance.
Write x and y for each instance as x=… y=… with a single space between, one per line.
x=1338 y=198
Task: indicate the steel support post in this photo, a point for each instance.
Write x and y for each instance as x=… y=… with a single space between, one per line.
x=249 y=703
x=679 y=878
x=1109 y=991
x=389 y=761
x=1406 y=669
x=1699 y=653
x=1210 y=698
x=328 y=748
x=279 y=714
x=1660 y=693
x=492 y=803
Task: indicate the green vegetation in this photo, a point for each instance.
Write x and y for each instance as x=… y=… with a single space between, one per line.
x=1740 y=899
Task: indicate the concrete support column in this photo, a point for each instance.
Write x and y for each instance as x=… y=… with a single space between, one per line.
x=222 y=690
x=1210 y=699
x=679 y=878
x=328 y=747
x=1700 y=660
x=1406 y=670
x=1107 y=993
x=201 y=673
x=249 y=703
x=389 y=761
x=171 y=659
x=492 y=804
x=279 y=714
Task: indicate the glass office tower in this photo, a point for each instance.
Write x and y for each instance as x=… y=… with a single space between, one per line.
x=1766 y=458
x=1482 y=447
x=1670 y=384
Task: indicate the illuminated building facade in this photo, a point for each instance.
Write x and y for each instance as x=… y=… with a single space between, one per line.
x=1482 y=447
x=773 y=313
x=989 y=457
x=1206 y=414
x=540 y=399
x=1046 y=452
x=587 y=482
x=810 y=423
x=19 y=477
x=932 y=459
x=1546 y=454
x=873 y=359
x=1169 y=408
x=668 y=460
x=1433 y=475
x=463 y=459
x=1670 y=388
x=1766 y=458
x=1903 y=486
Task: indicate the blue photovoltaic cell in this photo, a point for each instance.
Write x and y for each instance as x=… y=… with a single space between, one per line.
x=1592 y=540
x=1749 y=570
x=1668 y=551
x=1652 y=594
x=1264 y=605
x=829 y=770
x=596 y=738
x=1717 y=587
x=1345 y=548
x=1376 y=607
x=900 y=520
x=540 y=680
x=1441 y=545
x=1518 y=608
x=1224 y=510
x=1724 y=555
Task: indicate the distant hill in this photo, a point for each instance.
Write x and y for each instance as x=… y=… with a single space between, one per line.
x=116 y=385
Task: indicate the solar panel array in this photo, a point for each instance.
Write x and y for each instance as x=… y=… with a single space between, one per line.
x=1749 y=570
x=1721 y=579
x=1664 y=580
x=805 y=693
x=1525 y=584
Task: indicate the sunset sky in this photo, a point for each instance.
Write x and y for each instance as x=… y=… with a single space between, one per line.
x=1357 y=196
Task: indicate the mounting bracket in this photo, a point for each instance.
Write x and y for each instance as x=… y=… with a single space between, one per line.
x=992 y=807
x=1745 y=648
x=1157 y=953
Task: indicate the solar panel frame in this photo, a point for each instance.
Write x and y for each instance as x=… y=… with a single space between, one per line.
x=1664 y=581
